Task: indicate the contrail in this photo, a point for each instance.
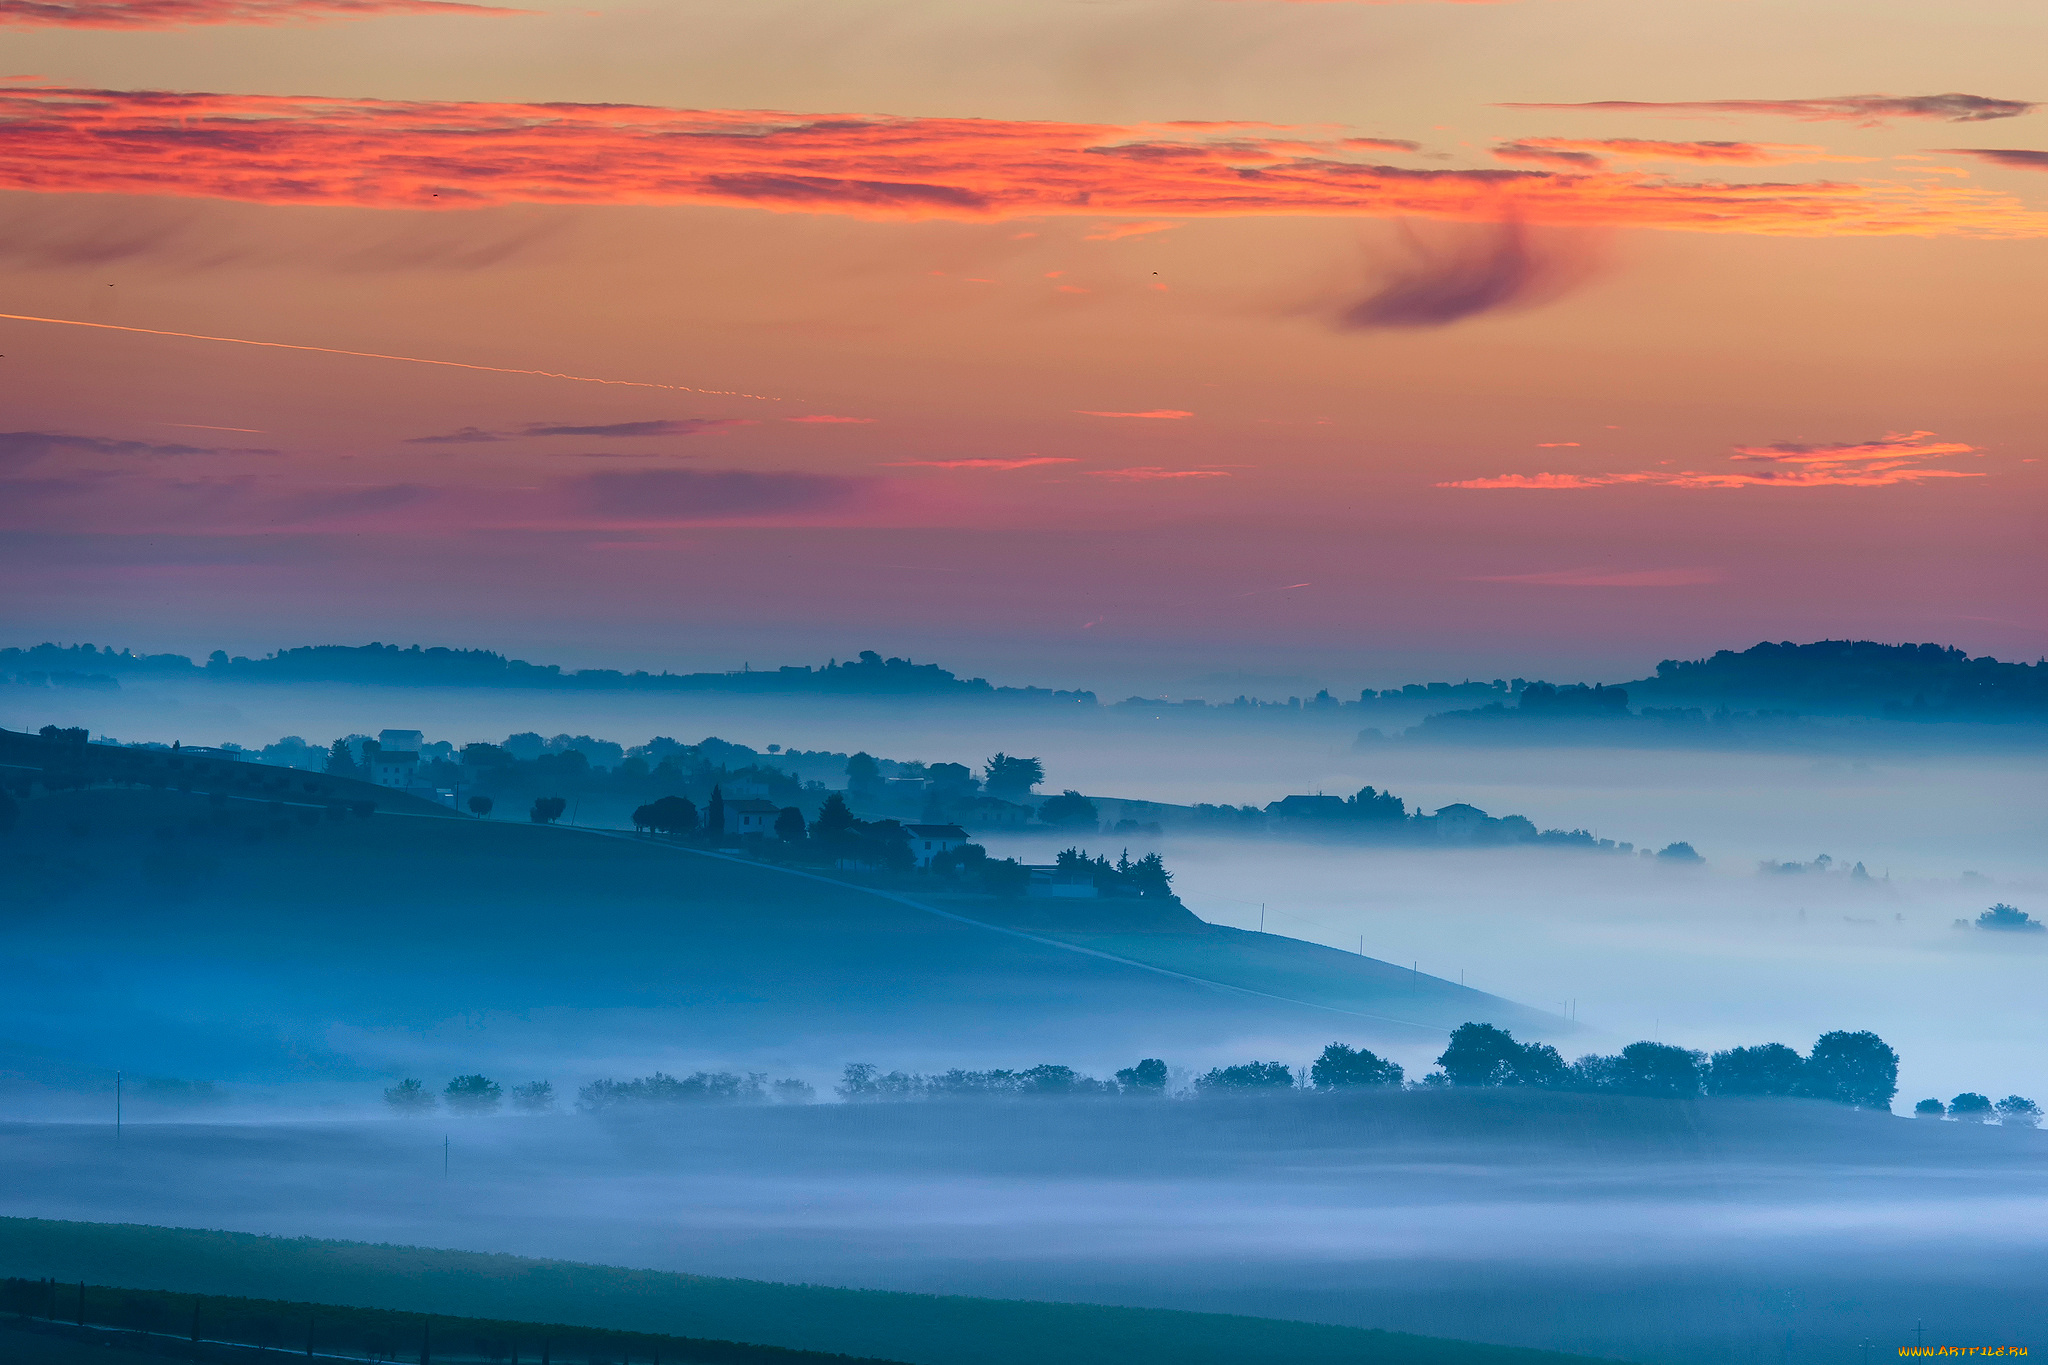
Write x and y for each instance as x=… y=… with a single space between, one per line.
x=379 y=355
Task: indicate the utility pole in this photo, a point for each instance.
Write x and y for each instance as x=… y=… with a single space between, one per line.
x=1262 y=917
x=444 y=1155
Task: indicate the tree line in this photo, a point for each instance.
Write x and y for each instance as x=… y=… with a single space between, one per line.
x=1856 y=1069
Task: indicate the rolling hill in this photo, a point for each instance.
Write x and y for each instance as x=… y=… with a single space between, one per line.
x=177 y=935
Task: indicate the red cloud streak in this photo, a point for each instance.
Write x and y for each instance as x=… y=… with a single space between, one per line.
x=1900 y=457
x=183 y=13
x=307 y=150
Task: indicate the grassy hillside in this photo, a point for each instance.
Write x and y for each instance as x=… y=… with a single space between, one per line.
x=924 y=1329
x=180 y=936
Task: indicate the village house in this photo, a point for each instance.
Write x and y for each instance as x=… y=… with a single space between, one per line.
x=390 y=767
x=929 y=841
x=751 y=818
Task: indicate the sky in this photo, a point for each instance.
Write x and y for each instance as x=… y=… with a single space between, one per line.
x=1053 y=341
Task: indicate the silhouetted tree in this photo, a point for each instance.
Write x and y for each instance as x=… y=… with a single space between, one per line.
x=1146 y=1078
x=835 y=820
x=473 y=1095
x=1682 y=852
x=1012 y=778
x=669 y=815
x=1481 y=1054
x=547 y=809
x=1341 y=1067
x=1768 y=1069
x=863 y=775
x=1853 y=1068
x=1068 y=808
x=714 y=814
x=789 y=825
x=2010 y=918
x=1377 y=805
x=1147 y=876
x=2017 y=1111
x=535 y=1097
x=487 y=756
x=1970 y=1107
x=1005 y=877
x=1929 y=1109
x=410 y=1097
x=1247 y=1076
x=480 y=806
x=340 y=761
x=1659 y=1070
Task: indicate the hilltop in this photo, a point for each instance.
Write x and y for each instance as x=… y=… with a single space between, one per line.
x=222 y=939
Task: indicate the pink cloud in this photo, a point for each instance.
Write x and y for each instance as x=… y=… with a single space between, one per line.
x=1156 y=414
x=1022 y=462
x=1146 y=473
x=277 y=149
x=824 y=419
x=1897 y=458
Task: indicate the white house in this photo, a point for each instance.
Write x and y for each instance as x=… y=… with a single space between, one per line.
x=750 y=818
x=405 y=740
x=391 y=767
x=929 y=841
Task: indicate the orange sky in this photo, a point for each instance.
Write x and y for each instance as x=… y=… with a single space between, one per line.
x=1110 y=344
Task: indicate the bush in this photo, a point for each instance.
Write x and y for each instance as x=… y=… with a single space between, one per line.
x=1929 y=1109
x=547 y=809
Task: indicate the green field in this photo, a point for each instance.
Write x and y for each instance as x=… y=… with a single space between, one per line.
x=918 y=1328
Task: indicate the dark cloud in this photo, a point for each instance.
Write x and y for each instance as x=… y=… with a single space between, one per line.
x=1865 y=109
x=688 y=426
x=20 y=447
x=464 y=437
x=1549 y=156
x=818 y=189
x=2017 y=157
x=1459 y=273
x=708 y=495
